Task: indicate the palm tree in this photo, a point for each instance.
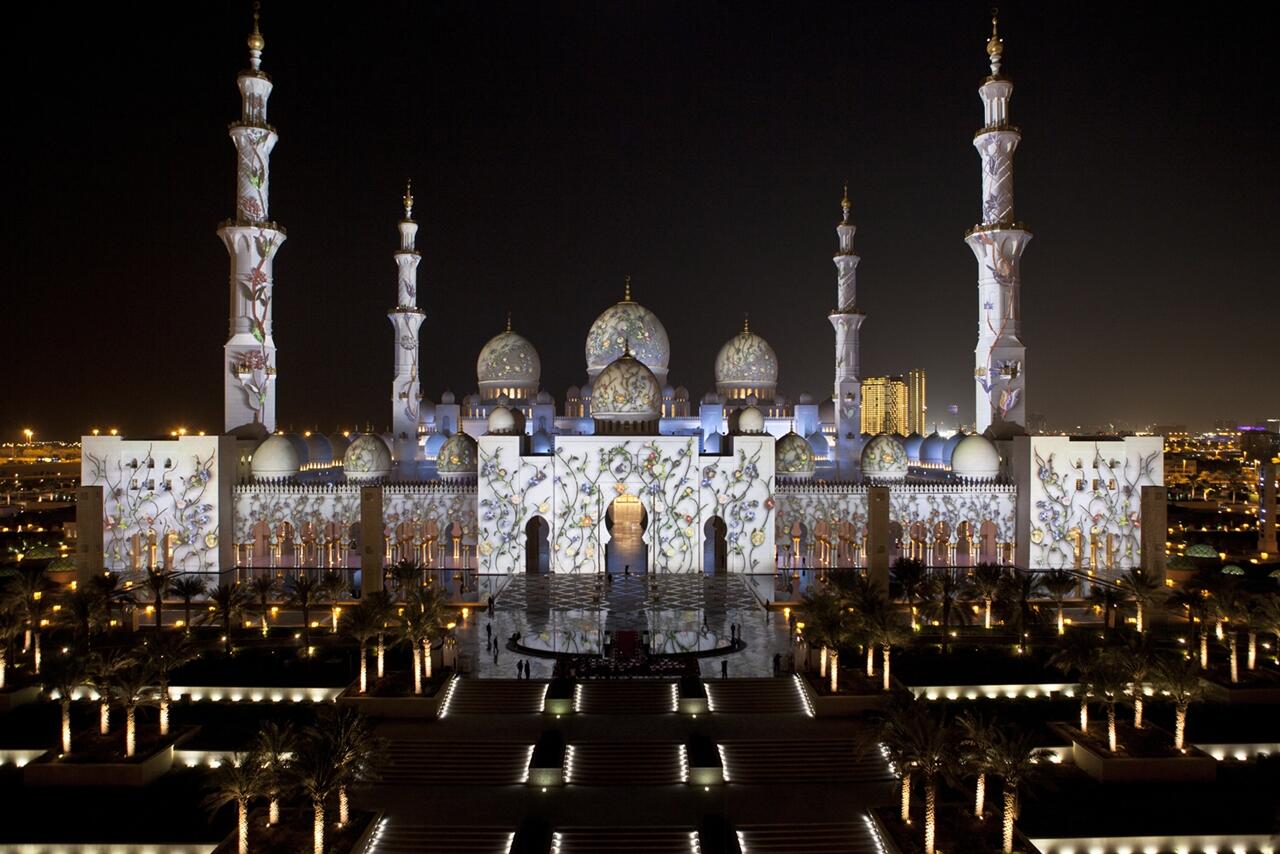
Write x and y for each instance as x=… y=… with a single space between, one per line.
x=1231 y=607
x=407 y=576
x=227 y=604
x=892 y=738
x=1107 y=679
x=433 y=603
x=1076 y=655
x=1266 y=614
x=1014 y=595
x=384 y=607
x=824 y=619
x=1193 y=599
x=361 y=624
x=263 y=590
x=29 y=592
x=63 y=679
x=1109 y=599
x=420 y=620
x=238 y=780
x=303 y=593
x=333 y=587
x=187 y=588
x=315 y=772
x=977 y=735
x=102 y=669
x=275 y=745
x=1059 y=584
x=157 y=583
x=1137 y=658
x=912 y=580
x=354 y=748
x=108 y=587
x=942 y=599
x=929 y=746
x=130 y=686
x=883 y=631
x=1179 y=678
x=161 y=655
x=10 y=628
x=81 y=611
x=985 y=582
x=1014 y=759
x=1148 y=594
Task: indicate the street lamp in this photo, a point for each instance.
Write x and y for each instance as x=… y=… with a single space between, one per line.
x=28 y=433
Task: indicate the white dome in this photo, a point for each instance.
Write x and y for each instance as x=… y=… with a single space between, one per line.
x=805 y=398
x=746 y=361
x=447 y=398
x=501 y=422
x=975 y=458
x=544 y=399
x=431 y=447
x=300 y=445
x=628 y=326
x=626 y=390
x=793 y=457
x=457 y=457
x=950 y=446
x=367 y=458
x=508 y=360
x=319 y=448
x=912 y=446
x=884 y=458
x=750 y=420
x=274 y=459
x=931 y=449
x=821 y=447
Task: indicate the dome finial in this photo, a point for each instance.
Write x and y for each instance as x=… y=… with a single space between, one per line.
x=746 y=325
x=626 y=342
x=995 y=44
x=408 y=199
x=255 y=41
x=508 y=320
x=844 y=202
x=626 y=289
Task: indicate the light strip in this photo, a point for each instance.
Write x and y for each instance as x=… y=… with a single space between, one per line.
x=448 y=696
x=808 y=704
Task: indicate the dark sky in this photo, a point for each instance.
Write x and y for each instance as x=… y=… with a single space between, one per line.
x=699 y=147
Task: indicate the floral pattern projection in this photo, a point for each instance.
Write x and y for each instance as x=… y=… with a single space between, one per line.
x=999 y=377
x=163 y=496
x=747 y=358
x=1090 y=491
x=627 y=326
x=508 y=357
x=679 y=489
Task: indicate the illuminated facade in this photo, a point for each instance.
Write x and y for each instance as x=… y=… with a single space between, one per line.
x=917 y=406
x=885 y=406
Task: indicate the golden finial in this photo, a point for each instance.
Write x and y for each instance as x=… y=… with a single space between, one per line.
x=256 y=41
x=844 y=202
x=408 y=199
x=626 y=293
x=746 y=326
x=508 y=321
x=995 y=44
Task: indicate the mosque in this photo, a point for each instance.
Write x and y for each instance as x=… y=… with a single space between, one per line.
x=627 y=471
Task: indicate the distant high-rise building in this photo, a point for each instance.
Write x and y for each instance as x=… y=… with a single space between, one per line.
x=884 y=406
x=917 y=408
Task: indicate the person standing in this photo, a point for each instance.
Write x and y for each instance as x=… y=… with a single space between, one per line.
x=777 y=663
x=724 y=668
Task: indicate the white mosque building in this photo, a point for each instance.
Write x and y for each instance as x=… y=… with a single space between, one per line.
x=626 y=466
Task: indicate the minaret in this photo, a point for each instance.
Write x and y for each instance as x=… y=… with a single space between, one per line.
x=847 y=320
x=998 y=242
x=252 y=239
x=406 y=318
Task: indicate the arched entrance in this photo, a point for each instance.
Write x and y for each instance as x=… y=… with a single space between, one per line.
x=537 y=546
x=626 y=521
x=715 y=549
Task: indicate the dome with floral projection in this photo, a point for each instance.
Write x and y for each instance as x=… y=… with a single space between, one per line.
x=793 y=457
x=884 y=458
x=508 y=361
x=626 y=390
x=457 y=456
x=746 y=362
x=367 y=458
x=628 y=326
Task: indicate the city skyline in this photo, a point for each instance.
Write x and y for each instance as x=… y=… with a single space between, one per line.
x=540 y=205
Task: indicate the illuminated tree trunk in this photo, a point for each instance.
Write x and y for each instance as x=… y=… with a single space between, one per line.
x=164 y=710
x=1137 y=707
x=1111 y=727
x=364 y=669
x=822 y=663
x=905 y=805
x=1010 y=806
x=871 y=661
x=1219 y=630
x=104 y=715
x=382 y=651
x=1204 y=648
x=834 y=672
x=426 y=657
x=273 y=809
x=884 y=658
x=1179 y=724
x=4 y=664
x=333 y=619
x=344 y=807
x=980 y=796
x=1233 y=644
x=66 y=724
x=1062 y=625
x=1252 y=654
x=264 y=624
x=417 y=669
x=35 y=640
x=930 y=814
x=986 y=615
x=317 y=828
x=242 y=824
x=1084 y=713
x=130 y=730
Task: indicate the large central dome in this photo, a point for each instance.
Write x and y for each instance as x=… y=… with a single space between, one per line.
x=747 y=367
x=508 y=365
x=628 y=326
x=626 y=397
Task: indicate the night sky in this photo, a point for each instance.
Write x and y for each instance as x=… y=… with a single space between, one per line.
x=699 y=147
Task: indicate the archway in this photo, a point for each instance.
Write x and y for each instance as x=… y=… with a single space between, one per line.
x=715 y=548
x=537 y=546
x=626 y=522
x=987 y=546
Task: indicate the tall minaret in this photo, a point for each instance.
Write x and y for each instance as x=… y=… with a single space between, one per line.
x=406 y=319
x=998 y=242
x=847 y=320
x=252 y=239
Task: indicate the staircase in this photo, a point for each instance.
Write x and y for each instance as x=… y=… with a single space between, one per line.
x=808 y=838
x=792 y=761
x=625 y=763
x=777 y=696
x=497 y=697
x=625 y=840
x=395 y=837
x=626 y=697
x=422 y=762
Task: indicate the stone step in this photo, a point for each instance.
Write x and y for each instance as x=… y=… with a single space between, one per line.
x=625 y=763
x=808 y=838
x=791 y=761
x=398 y=838
x=497 y=697
x=424 y=762
x=755 y=696
x=626 y=697
x=625 y=840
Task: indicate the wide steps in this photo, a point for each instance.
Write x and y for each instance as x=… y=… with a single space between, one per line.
x=827 y=761
x=398 y=838
x=497 y=697
x=625 y=840
x=626 y=697
x=422 y=762
x=808 y=838
x=626 y=763
x=778 y=696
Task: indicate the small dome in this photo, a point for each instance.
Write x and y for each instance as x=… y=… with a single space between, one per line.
x=300 y=445
x=628 y=327
x=750 y=420
x=712 y=399
x=541 y=442
x=319 y=448
x=682 y=393
x=668 y=392
x=543 y=398
x=805 y=398
x=457 y=457
x=1202 y=550
x=340 y=443
x=821 y=447
x=931 y=449
x=793 y=457
x=912 y=446
x=950 y=447
x=501 y=422
x=573 y=391
x=276 y=458
x=884 y=458
x=975 y=458
x=434 y=442
x=448 y=398
x=507 y=360
x=367 y=458
x=746 y=361
x=626 y=390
